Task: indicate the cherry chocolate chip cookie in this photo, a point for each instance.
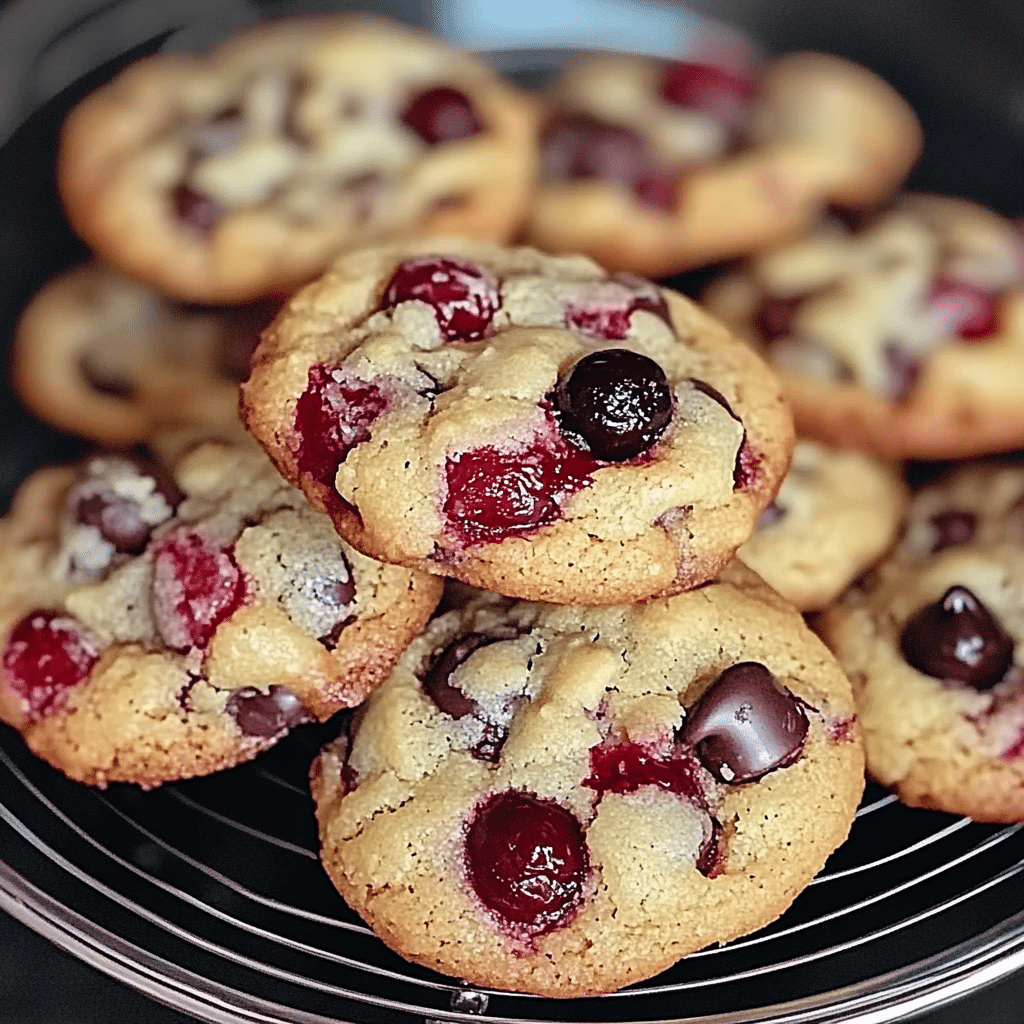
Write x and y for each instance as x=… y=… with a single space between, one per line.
x=838 y=512
x=525 y=423
x=933 y=647
x=566 y=800
x=655 y=167
x=105 y=357
x=903 y=336
x=240 y=174
x=156 y=626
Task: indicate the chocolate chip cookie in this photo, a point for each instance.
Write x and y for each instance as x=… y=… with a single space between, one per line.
x=656 y=167
x=240 y=174
x=563 y=800
x=903 y=336
x=157 y=626
x=838 y=513
x=525 y=423
x=105 y=357
x=931 y=648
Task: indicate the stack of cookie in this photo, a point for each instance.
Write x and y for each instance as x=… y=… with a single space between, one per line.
x=617 y=744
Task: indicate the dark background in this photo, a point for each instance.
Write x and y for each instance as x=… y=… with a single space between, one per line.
x=960 y=66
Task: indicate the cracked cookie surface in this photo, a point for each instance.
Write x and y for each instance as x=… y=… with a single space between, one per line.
x=903 y=336
x=563 y=800
x=158 y=626
x=932 y=644
x=524 y=423
x=240 y=174
x=836 y=514
x=657 y=167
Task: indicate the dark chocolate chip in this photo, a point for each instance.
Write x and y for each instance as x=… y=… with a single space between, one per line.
x=264 y=715
x=952 y=527
x=615 y=403
x=745 y=724
x=437 y=681
x=958 y=639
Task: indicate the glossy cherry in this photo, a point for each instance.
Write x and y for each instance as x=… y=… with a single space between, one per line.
x=625 y=767
x=332 y=416
x=957 y=638
x=745 y=724
x=47 y=654
x=463 y=295
x=527 y=861
x=615 y=403
x=493 y=494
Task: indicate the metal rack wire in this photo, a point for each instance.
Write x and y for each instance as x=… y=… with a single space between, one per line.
x=208 y=895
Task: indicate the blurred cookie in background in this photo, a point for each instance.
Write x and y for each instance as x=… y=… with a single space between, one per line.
x=656 y=167
x=240 y=174
x=102 y=356
x=837 y=513
x=902 y=335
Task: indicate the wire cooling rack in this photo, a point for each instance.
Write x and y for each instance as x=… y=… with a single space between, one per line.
x=208 y=896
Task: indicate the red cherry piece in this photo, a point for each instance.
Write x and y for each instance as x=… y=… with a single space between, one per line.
x=493 y=494
x=625 y=767
x=606 y=310
x=197 y=211
x=196 y=586
x=441 y=115
x=967 y=311
x=657 y=190
x=527 y=860
x=47 y=654
x=747 y=468
x=332 y=416
x=464 y=296
x=706 y=87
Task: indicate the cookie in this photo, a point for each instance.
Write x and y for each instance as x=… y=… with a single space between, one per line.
x=932 y=648
x=837 y=513
x=903 y=336
x=527 y=424
x=240 y=174
x=566 y=800
x=155 y=627
x=105 y=357
x=656 y=167
x=976 y=503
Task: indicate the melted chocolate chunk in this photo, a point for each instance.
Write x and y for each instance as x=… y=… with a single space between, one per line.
x=264 y=715
x=952 y=527
x=437 y=681
x=614 y=403
x=958 y=639
x=745 y=725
